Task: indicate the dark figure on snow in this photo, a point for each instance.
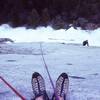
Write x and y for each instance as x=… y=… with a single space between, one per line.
x=85 y=43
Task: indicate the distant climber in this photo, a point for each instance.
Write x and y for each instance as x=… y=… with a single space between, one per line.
x=4 y=40
x=85 y=43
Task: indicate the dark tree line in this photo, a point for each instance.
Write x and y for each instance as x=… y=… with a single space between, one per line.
x=57 y=13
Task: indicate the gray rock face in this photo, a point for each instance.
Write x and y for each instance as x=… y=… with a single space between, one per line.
x=3 y=40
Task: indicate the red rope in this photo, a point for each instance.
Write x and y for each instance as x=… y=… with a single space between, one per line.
x=48 y=72
x=12 y=88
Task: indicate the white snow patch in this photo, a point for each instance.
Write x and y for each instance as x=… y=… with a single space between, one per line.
x=47 y=34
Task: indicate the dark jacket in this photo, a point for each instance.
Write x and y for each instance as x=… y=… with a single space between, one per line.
x=85 y=43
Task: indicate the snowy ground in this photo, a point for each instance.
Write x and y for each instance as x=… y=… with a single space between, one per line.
x=19 y=60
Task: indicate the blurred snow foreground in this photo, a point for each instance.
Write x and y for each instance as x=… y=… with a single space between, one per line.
x=19 y=60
